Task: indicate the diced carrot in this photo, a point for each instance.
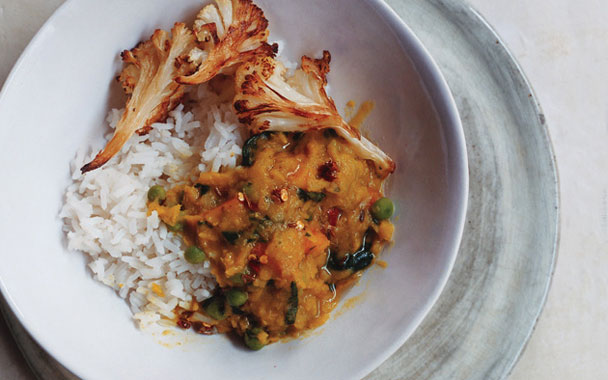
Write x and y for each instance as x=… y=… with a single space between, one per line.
x=168 y=215
x=316 y=243
x=233 y=208
x=217 y=179
x=285 y=252
x=385 y=230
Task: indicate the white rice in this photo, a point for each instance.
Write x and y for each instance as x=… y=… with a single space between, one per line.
x=105 y=213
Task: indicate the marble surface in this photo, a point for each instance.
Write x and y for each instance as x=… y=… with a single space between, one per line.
x=560 y=45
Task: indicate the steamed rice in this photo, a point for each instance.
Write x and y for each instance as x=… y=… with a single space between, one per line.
x=105 y=212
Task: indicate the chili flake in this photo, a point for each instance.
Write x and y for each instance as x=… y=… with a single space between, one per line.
x=328 y=171
x=333 y=215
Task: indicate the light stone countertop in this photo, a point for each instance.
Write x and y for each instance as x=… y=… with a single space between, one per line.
x=561 y=45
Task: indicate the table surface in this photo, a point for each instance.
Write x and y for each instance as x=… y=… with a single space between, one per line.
x=561 y=46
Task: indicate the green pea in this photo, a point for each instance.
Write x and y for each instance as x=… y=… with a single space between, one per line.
x=382 y=209
x=236 y=297
x=215 y=307
x=237 y=279
x=177 y=227
x=195 y=255
x=251 y=339
x=248 y=189
x=157 y=192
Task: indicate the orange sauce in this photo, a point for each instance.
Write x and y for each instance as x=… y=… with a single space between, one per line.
x=288 y=232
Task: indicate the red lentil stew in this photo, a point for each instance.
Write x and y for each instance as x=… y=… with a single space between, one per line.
x=285 y=233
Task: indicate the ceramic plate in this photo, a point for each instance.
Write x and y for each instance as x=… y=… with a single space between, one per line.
x=497 y=290
x=488 y=310
x=54 y=102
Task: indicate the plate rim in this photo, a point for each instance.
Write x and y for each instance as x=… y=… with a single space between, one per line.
x=501 y=44
x=478 y=21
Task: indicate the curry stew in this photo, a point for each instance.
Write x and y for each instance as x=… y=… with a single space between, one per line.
x=286 y=233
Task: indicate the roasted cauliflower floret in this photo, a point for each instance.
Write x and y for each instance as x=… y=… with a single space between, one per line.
x=148 y=80
x=228 y=33
x=268 y=101
x=224 y=34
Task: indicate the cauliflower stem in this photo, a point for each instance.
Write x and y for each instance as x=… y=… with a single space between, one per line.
x=229 y=32
x=148 y=79
x=229 y=35
x=268 y=101
x=156 y=71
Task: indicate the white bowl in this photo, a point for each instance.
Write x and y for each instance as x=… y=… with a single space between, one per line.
x=54 y=102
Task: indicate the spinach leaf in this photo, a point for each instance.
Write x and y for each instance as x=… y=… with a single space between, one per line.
x=355 y=261
x=292 y=305
x=202 y=189
x=310 y=195
x=231 y=236
x=250 y=147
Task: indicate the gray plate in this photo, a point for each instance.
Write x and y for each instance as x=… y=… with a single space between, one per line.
x=499 y=284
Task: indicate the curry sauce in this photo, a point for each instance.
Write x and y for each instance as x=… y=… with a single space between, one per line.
x=286 y=233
